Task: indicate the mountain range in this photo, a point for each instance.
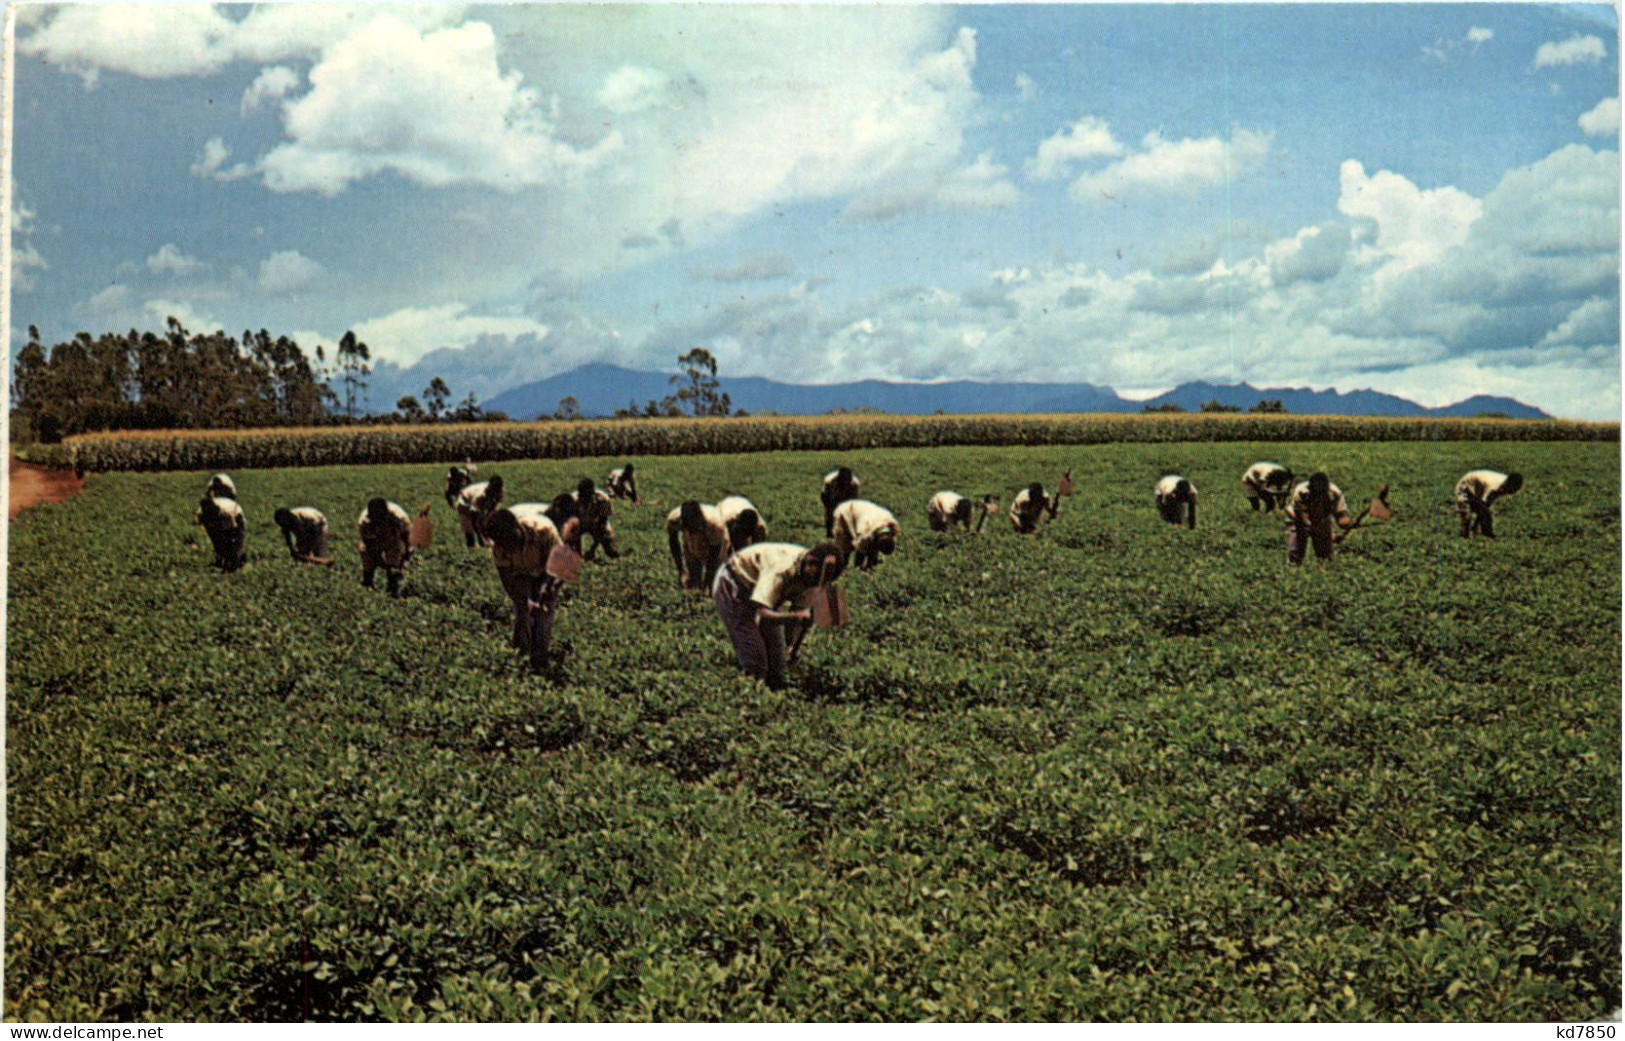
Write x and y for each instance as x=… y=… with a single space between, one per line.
x=601 y=389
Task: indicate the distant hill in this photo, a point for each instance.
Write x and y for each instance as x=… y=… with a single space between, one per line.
x=601 y=389
x=1305 y=402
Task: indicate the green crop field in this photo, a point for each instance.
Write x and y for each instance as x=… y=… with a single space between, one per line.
x=1116 y=771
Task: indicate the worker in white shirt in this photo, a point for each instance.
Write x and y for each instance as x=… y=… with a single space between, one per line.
x=523 y=537
x=865 y=531
x=476 y=503
x=839 y=486
x=743 y=521
x=1176 y=500
x=698 y=541
x=623 y=484
x=223 y=521
x=1267 y=485
x=386 y=542
x=1474 y=493
x=949 y=508
x=305 y=531
x=750 y=591
x=1029 y=507
x=1315 y=507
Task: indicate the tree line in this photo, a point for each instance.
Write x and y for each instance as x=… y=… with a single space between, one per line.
x=193 y=381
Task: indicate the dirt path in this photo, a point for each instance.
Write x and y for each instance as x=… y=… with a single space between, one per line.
x=32 y=485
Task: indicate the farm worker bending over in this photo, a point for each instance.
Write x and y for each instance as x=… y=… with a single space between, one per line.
x=223 y=520
x=456 y=480
x=522 y=536
x=1269 y=483
x=1029 y=507
x=1315 y=505
x=698 y=541
x=750 y=588
x=561 y=511
x=305 y=531
x=386 y=533
x=221 y=487
x=622 y=484
x=1475 y=492
x=839 y=486
x=1176 y=500
x=594 y=509
x=949 y=508
x=475 y=504
x=743 y=521
x=866 y=529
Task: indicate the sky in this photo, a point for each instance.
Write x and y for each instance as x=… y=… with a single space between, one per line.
x=1419 y=199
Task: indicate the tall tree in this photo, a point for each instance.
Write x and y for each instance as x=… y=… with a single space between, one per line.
x=436 y=396
x=355 y=366
x=697 y=387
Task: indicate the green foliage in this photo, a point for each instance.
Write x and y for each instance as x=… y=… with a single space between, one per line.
x=179 y=379
x=230 y=450
x=1117 y=770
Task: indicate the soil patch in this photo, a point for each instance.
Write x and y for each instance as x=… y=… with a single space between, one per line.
x=32 y=485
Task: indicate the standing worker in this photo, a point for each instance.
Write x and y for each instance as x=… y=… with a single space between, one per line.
x=475 y=504
x=867 y=530
x=1176 y=500
x=1312 y=510
x=1267 y=483
x=698 y=540
x=523 y=536
x=623 y=484
x=1029 y=507
x=304 y=529
x=223 y=521
x=743 y=521
x=386 y=542
x=1474 y=493
x=839 y=486
x=752 y=586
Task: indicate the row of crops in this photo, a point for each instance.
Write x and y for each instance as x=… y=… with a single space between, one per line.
x=1115 y=771
x=332 y=446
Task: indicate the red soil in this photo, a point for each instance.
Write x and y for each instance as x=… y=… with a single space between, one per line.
x=32 y=485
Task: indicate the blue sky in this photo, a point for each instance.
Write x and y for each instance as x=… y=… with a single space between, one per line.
x=1423 y=199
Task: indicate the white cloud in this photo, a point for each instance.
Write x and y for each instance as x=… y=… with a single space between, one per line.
x=287 y=271
x=1602 y=121
x=1088 y=138
x=159 y=41
x=212 y=163
x=1576 y=50
x=1594 y=323
x=275 y=82
x=169 y=260
x=25 y=258
x=433 y=107
x=1312 y=255
x=155 y=313
x=405 y=336
x=1444 y=49
x=1026 y=89
x=1414 y=227
x=1432 y=294
x=633 y=88
x=1184 y=167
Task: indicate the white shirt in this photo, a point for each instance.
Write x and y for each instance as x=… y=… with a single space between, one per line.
x=859 y=521
x=537 y=537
